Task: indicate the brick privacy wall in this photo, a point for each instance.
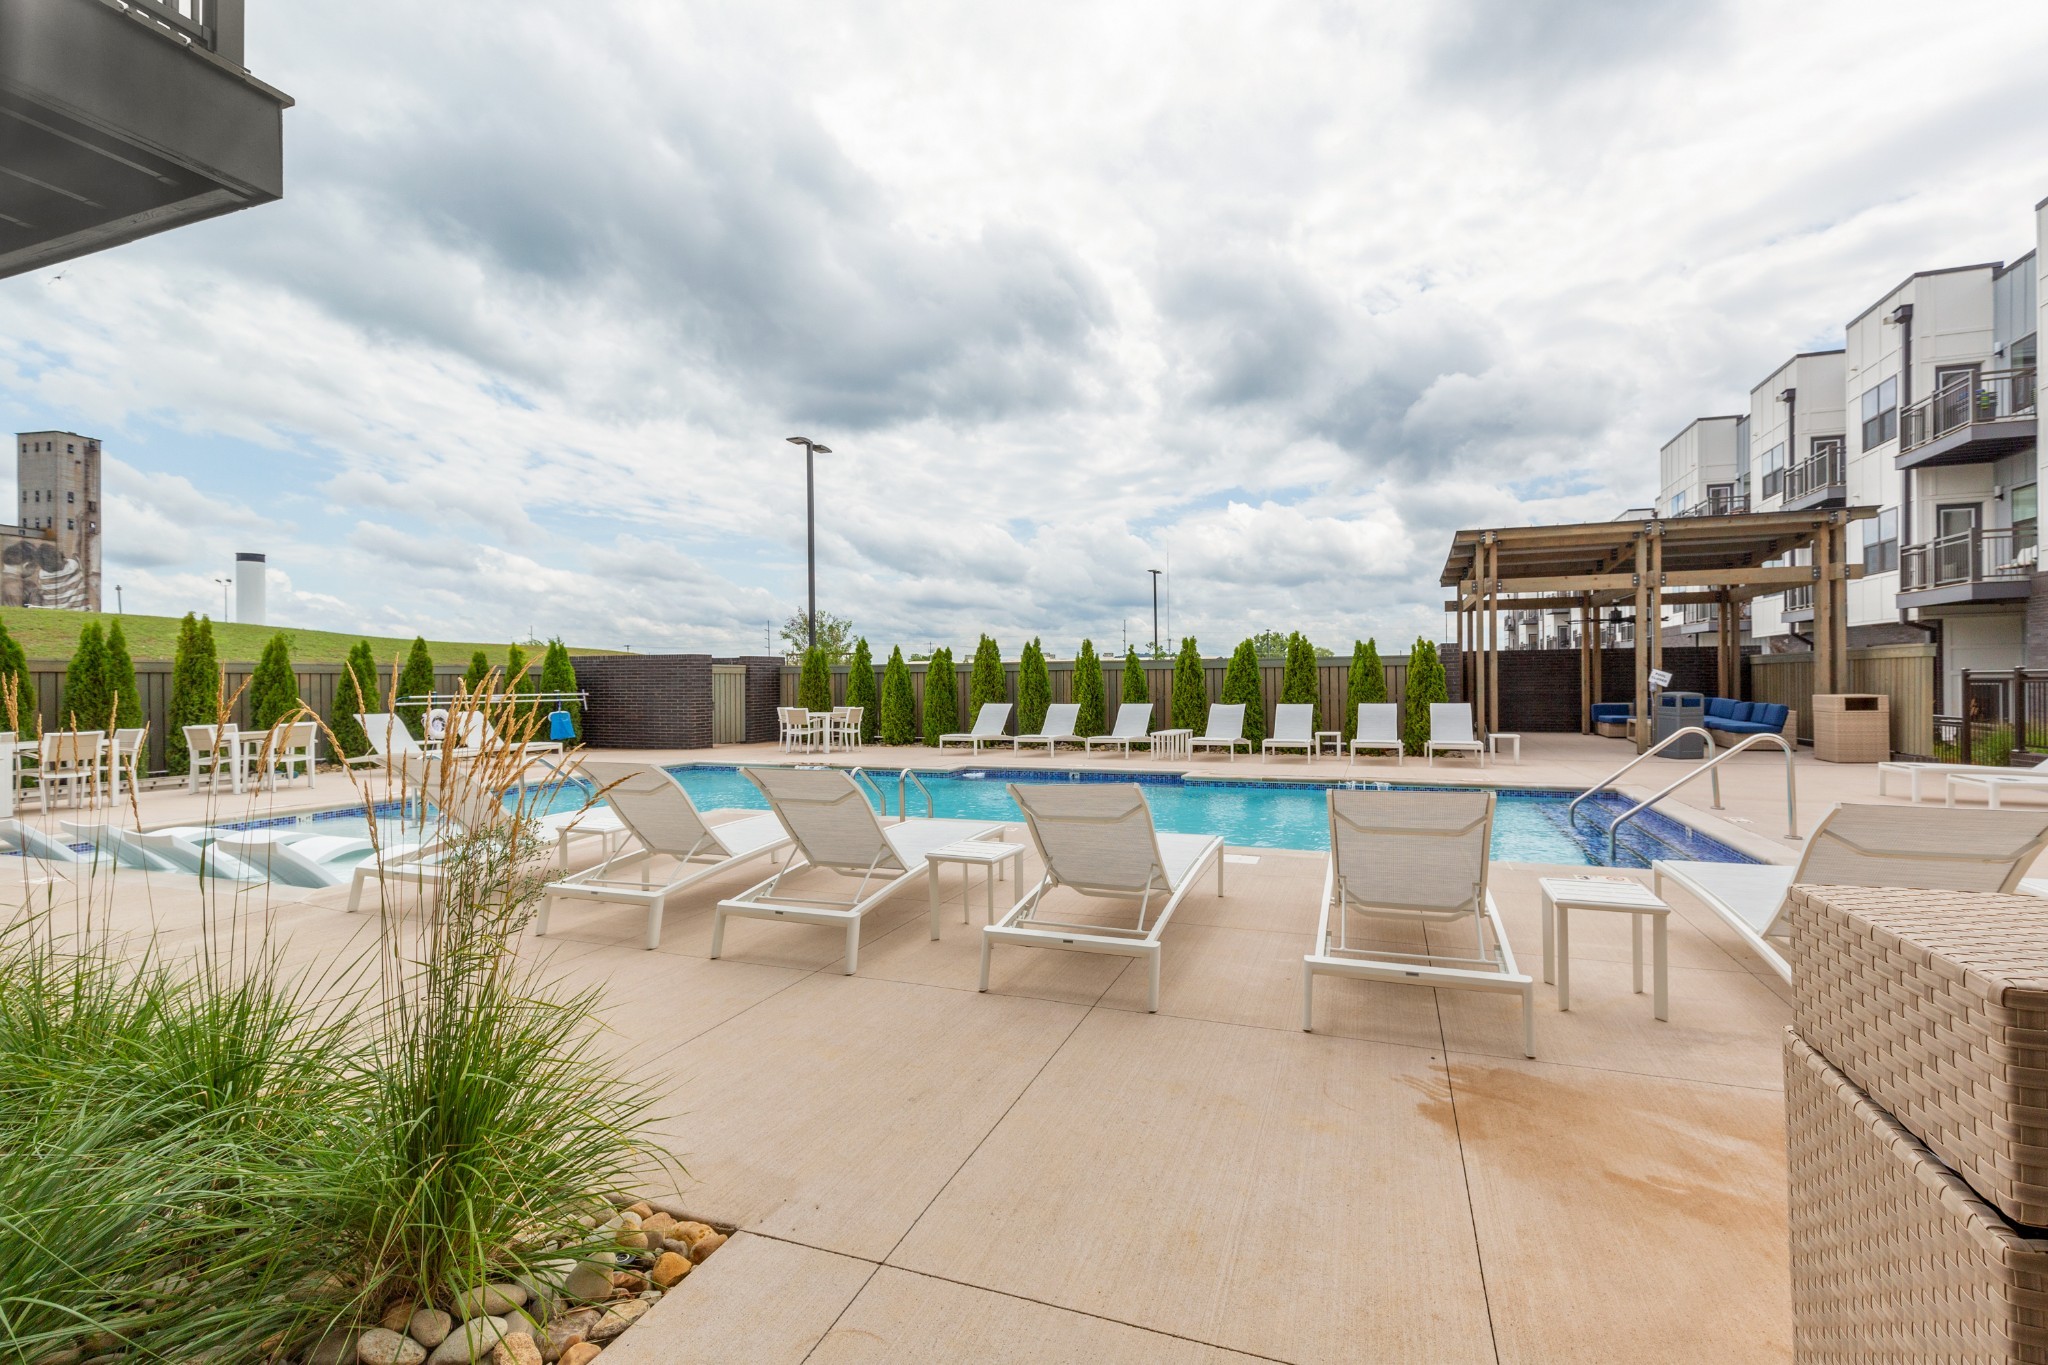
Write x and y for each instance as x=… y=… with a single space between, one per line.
x=649 y=701
x=764 y=694
x=1539 y=688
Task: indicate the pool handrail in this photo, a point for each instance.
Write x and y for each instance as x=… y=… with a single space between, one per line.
x=1571 y=812
x=1791 y=791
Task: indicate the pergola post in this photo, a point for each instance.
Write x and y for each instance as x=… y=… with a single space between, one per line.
x=1585 y=667
x=1491 y=720
x=1642 y=711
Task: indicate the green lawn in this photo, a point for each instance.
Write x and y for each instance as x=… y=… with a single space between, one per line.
x=47 y=634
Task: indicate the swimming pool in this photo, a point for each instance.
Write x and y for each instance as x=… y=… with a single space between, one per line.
x=1529 y=826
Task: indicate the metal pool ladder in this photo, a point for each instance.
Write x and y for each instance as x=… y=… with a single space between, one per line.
x=1711 y=767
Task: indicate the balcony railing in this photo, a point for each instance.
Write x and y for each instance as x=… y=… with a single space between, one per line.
x=1992 y=396
x=1718 y=504
x=1968 y=557
x=212 y=24
x=1821 y=474
x=1799 y=598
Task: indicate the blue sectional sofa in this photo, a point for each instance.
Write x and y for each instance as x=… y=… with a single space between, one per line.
x=1610 y=718
x=1725 y=716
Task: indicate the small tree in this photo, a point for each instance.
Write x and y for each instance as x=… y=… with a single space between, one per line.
x=985 y=681
x=195 y=687
x=1089 y=688
x=898 y=721
x=814 y=687
x=1366 y=685
x=1298 y=680
x=941 y=697
x=273 y=687
x=861 y=691
x=1426 y=684
x=121 y=670
x=416 y=679
x=558 y=676
x=1190 y=689
x=1241 y=688
x=518 y=680
x=835 y=636
x=1034 y=690
x=354 y=694
x=18 y=687
x=479 y=669
x=1136 y=689
x=88 y=691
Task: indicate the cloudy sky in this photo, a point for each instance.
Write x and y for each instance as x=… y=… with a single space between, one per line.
x=1273 y=296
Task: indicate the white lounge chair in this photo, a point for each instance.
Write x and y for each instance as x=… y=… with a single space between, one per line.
x=1098 y=839
x=114 y=844
x=1913 y=772
x=1294 y=726
x=480 y=736
x=1934 y=849
x=296 y=858
x=1133 y=726
x=1057 y=729
x=1450 y=730
x=1422 y=858
x=388 y=737
x=666 y=824
x=1994 y=783
x=32 y=842
x=1225 y=728
x=988 y=727
x=835 y=830
x=1378 y=730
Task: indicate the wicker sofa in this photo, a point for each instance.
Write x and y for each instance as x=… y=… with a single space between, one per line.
x=1730 y=721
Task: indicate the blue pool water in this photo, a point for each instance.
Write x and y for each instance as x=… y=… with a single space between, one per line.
x=1529 y=826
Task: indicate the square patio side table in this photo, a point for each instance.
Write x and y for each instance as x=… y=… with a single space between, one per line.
x=1562 y=895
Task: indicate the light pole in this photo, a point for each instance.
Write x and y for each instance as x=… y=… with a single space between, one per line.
x=811 y=448
x=225 y=584
x=1155 y=611
x=117 y=601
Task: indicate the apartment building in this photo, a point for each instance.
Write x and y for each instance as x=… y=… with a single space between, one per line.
x=1702 y=472
x=1799 y=461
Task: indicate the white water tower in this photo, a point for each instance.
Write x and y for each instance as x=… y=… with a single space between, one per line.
x=249 y=589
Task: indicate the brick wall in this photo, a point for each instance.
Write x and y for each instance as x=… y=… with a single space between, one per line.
x=764 y=694
x=650 y=701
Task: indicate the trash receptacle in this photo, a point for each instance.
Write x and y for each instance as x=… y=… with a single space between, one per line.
x=1676 y=711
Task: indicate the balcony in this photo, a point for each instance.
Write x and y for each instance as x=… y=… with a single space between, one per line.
x=119 y=120
x=1971 y=566
x=1817 y=482
x=1798 y=604
x=1974 y=419
x=1718 y=503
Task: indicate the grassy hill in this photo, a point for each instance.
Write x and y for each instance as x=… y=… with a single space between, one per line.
x=47 y=634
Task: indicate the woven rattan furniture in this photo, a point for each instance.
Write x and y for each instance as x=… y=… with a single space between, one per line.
x=1893 y=1256
x=1852 y=727
x=1936 y=1004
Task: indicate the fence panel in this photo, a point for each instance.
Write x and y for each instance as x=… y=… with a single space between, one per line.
x=1905 y=673
x=729 y=703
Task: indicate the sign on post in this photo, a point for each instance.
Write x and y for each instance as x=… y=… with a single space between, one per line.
x=1660 y=678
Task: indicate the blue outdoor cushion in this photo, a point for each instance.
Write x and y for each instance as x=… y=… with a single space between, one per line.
x=1722 y=707
x=1771 y=715
x=1737 y=727
x=1610 y=711
x=1743 y=710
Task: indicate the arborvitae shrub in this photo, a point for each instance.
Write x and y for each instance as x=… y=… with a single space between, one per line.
x=1367 y=684
x=1241 y=688
x=1034 y=690
x=898 y=721
x=88 y=691
x=558 y=676
x=985 y=681
x=121 y=671
x=1089 y=690
x=814 y=685
x=861 y=690
x=941 y=697
x=273 y=687
x=195 y=688
x=354 y=693
x=1426 y=684
x=1190 y=689
x=416 y=679
x=1136 y=689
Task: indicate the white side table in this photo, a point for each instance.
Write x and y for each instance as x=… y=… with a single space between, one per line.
x=1493 y=743
x=1562 y=895
x=988 y=855
x=1173 y=743
x=1335 y=739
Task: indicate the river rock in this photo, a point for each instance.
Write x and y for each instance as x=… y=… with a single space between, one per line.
x=659 y=1225
x=589 y=1282
x=398 y=1315
x=490 y=1300
x=429 y=1327
x=518 y=1349
x=669 y=1269
x=617 y=1319
x=640 y=1208
x=333 y=1349
x=383 y=1346
x=704 y=1246
x=558 y=1336
x=582 y=1353
x=471 y=1341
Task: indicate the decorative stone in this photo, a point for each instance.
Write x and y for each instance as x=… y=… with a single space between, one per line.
x=429 y=1327
x=650 y=1296
x=518 y=1349
x=632 y=1239
x=335 y=1348
x=669 y=1269
x=582 y=1353
x=632 y=1281
x=490 y=1300
x=589 y=1282
x=694 y=1232
x=640 y=1209
x=617 y=1319
x=398 y=1315
x=384 y=1346
x=471 y=1341
x=704 y=1246
x=565 y=1331
x=659 y=1225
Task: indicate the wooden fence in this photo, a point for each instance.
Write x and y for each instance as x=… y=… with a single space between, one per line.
x=1333 y=683
x=1905 y=673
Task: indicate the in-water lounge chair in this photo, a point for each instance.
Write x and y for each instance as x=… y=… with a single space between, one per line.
x=1294 y=726
x=1419 y=857
x=1378 y=730
x=1058 y=728
x=1450 y=731
x=665 y=825
x=1929 y=848
x=835 y=830
x=1098 y=839
x=1226 y=728
x=1133 y=726
x=988 y=727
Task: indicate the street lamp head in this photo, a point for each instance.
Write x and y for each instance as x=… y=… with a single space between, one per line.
x=807 y=441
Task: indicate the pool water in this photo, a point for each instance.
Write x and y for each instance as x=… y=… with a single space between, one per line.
x=1529 y=826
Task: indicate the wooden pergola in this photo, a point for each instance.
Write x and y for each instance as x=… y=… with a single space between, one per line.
x=1646 y=566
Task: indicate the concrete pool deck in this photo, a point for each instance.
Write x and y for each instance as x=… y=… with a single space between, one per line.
x=1045 y=1172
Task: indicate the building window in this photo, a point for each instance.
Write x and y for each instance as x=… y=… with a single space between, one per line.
x=70 y=496
x=70 y=525
x=2024 y=510
x=1830 y=448
x=1880 y=413
x=1774 y=470
x=1678 y=503
x=1881 y=542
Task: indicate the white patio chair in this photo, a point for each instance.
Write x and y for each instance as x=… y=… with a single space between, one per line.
x=1925 y=848
x=1098 y=839
x=1133 y=724
x=67 y=761
x=1378 y=730
x=288 y=748
x=1294 y=726
x=988 y=727
x=800 y=729
x=664 y=824
x=846 y=727
x=210 y=750
x=1226 y=728
x=124 y=758
x=1057 y=729
x=1450 y=730
x=835 y=831
x=1420 y=858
